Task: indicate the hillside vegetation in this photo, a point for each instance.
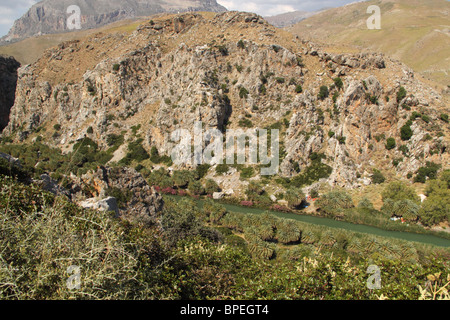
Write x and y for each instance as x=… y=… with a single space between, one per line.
x=414 y=32
x=43 y=235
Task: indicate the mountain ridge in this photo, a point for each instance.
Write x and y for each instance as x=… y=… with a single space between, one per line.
x=49 y=16
x=415 y=32
x=161 y=78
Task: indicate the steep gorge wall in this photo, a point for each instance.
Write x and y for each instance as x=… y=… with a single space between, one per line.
x=163 y=79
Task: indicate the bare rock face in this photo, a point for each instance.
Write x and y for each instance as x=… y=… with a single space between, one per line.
x=107 y=204
x=8 y=82
x=49 y=16
x=174 y=71
x=138 y=201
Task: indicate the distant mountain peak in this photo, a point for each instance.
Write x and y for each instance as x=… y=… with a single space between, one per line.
x=50 y=16
x=289 y=18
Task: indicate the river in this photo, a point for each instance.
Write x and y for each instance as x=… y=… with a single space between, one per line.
x=327 y=222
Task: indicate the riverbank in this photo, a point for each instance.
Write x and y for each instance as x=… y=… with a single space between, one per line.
x=425 y=237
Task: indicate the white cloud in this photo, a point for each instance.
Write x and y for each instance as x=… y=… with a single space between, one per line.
x=274 y=7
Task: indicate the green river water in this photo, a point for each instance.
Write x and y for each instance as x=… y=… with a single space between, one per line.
x=327 y=222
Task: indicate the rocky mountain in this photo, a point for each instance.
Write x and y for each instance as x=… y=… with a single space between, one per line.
x=289 y=18
x=50 y=16
x=415 y=32
x=351 y=112
x=8 y=80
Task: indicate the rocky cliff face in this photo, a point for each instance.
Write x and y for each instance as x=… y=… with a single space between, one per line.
x=233 y=70
x=140 y=203
x=8 y=81
x=50 y=16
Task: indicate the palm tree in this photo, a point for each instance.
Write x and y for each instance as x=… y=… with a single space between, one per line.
x=294 y=197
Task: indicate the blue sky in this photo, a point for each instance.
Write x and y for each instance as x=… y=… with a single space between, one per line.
x=10 y=10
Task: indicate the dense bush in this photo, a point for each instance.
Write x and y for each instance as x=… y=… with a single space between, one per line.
x=211 y=186
x=41 y=241
x=181 y=178
x=41 y=236
x=401 y=94
x=406 y=132
x=136 y=152
x=295 y=197
x=312 y=173
x=436 y=208
x=323 y=93
x=398 y=190
x=338 y=83
x=195 y=187
x=222 y=169
x=390 y=144
x=429 y=171
x=334 y=202
x=243 y=93
x=377 y=177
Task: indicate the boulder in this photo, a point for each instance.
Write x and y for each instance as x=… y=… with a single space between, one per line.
x=107 y=204
x=50 y=185
x=218 y=195
x=10 y=159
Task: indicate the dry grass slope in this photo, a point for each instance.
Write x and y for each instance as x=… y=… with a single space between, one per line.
x=415 y=32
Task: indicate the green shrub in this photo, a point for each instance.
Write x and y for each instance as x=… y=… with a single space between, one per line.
x=406 y=132
x=365 y=203
x=262 y=89
x=136 y=152
x=247 y=173
x=39 y=247
x=280 y=80
x=390 y=144
x=398 y=190
x=397 y=161
x=426 y=118
x=243 y=93
x=334 y=202
x=444 y=117
x=222 y=169
x=429 y=171
x=323 y=93
x=116 y=67
x=201 y=170
x=211 y=186
x=123 y=196
x=401 y=94
x=182 y=178
x=312 y=173
x=195 y=187
x=245 y=123
x=338 y=83
x=335 y=96
x=377 y=177
x=241 y=44
x=114 y=140
x=342 y=139
x=223 y=50
x=298 y=89
x=295 y=197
